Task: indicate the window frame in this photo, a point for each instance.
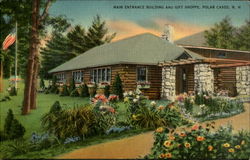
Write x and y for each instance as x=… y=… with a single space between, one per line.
x=137 y=73
x=96 y=77
x=77 y=75
x=60 y=77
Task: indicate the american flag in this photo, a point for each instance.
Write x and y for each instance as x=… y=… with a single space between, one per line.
x=9 y=40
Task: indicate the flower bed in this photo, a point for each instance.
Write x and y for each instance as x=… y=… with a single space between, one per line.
x=200 y=143
x=208 y=107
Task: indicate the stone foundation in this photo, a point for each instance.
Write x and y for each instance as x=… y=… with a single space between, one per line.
x=243 y=80
x=168 y=82
x=203 y=78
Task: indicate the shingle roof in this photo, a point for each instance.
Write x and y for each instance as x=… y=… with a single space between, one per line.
x=140 y=49
x=197 y=39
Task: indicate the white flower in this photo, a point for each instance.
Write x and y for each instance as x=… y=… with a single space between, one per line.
x=138 y=91
x=135 y=100
x=137 y=96
x=153 y=103
x=125 y=94
x=130 y=93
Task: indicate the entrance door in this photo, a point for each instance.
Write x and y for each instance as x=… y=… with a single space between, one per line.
x=184 y=79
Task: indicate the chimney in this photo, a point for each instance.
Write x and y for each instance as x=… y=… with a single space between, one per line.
x=168 y=33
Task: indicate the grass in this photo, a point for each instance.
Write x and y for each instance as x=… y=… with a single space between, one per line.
x=32 y=121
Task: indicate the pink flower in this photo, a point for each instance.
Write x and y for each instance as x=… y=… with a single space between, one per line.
x=195 y=127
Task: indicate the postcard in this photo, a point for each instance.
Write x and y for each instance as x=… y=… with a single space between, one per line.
x=125 y=79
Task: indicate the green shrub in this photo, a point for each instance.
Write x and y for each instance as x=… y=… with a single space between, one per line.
x=80 y=122
x=65 y=91
x=2 y=136
x=201 y=143
x=74 y=93
x=106 y=90
x=16 y=130
x=72 y=86
x=84 y=91
x=8 y=122
x=117 y=87
x=13 y=91
x=42 y=84
x=53 y=87
x=147 y=117
x=134 y=99
x=17 y=147
x=13 y=129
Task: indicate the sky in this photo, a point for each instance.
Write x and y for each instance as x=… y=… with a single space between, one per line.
x=185 y=16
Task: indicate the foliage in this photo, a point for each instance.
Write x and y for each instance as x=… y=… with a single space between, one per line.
x=5 y=98
x=13 y=129
x=117 y=87
x=188 y=104
x=42 y=84
x=13 y=91
x=42 y=141
x=84 y=91
x=53 y=87
x=16 y=130
x=72 y=85
x=147 y=117
x=8 y=122
x=225 y=35
x=74 y=93
x=65 y=91
x=107 y=90
x=17 y=147
x=80 y=122
x=200 y=143
x=134 y=99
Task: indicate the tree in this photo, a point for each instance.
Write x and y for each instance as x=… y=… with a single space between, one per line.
x=29 y=101
x=242 y=38
x=16 y=130
x=117 y=87
x=97 y=33
x=8 y=122
x=221 y=35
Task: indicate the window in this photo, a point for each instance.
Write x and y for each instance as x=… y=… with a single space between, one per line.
x=100 y=75
x=78 y=76
x=142 y=74
x=221 y=55
x=60 y=77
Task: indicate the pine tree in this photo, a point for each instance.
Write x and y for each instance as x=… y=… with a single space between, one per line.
x=77 y=40
x=56 y=107
x=65 y=91
x=53 y=87
x=221 y=35
x=8 y=122
x=242 y=38
x=72 y=86
x=117 y=87
x=97 y=33
x=16 y=130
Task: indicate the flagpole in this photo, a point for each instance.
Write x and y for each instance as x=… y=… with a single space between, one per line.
x=16 y=60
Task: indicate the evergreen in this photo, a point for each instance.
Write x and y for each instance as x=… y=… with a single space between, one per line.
x=13 y=91
x=42 y=84
x=107 y=90
x=85 y=91
x=117 y=87
x=65 y=91
x=56 y=107
x=8 y=122
x=16 y=130
x=72 y=86
x=53 y=87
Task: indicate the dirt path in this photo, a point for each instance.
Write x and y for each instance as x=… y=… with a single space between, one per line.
x=140 y=145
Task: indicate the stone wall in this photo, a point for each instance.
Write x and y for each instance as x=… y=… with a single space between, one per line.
x=203 y=78
x=168 y=82
x=243 y=80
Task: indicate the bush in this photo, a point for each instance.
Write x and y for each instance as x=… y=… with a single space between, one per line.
x=84 y=91
x=72 y=86
x=65 y=91
x=147 y=117
x=117 y=87
x=13 y=91
x=16 y=130
x=53 y=87
x=188 y=104
x=74 y=93
x=13 y=129
x=106 y=90
x=8 y=122
x=201 y=143
x=42 y=84
x=43 y=141
x=80 y=122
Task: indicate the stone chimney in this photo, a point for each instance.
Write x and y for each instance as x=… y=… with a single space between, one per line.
x=168 y=33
